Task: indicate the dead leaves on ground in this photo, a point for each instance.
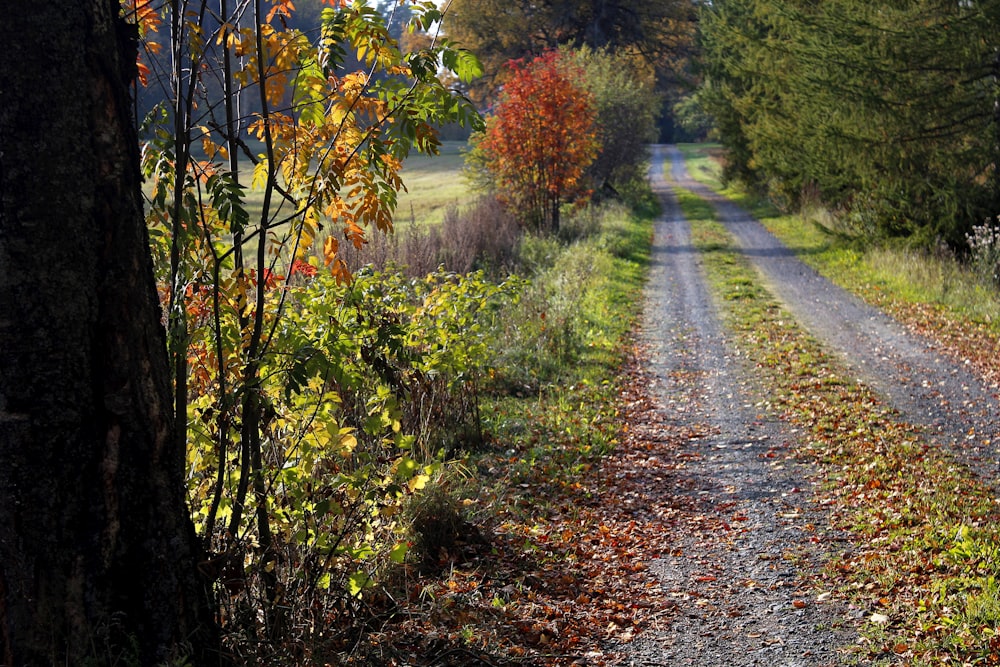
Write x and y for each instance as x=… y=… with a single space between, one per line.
x=930 y=594
x=563 y=576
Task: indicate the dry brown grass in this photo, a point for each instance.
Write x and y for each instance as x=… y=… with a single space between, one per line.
x=481 y=236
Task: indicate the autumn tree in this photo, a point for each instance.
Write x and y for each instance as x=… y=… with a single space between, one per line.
x=278 y=145
x=657 y=35
x=540 y=139
x=98 y=555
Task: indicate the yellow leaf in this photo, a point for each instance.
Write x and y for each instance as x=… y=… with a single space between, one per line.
x=330 y=247
x=347 y=444
x=260 y=175
x=418 y=482
x=209 y=147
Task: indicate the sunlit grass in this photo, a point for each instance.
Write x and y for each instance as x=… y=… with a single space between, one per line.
x=433 y=184
x=895 y=270
x=703 y=164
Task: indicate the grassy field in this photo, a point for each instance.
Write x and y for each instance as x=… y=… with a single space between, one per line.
x=433 y=184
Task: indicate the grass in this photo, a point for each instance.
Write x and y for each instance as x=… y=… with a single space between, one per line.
x=550 y=408
x=433 y=184
x=924 y=564
x=877 y=272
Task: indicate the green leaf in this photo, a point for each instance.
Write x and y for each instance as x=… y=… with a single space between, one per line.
x=358 y=582
x=463 y=63
x=407 y=467
x=398 y=553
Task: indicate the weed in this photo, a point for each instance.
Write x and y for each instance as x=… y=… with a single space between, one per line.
x=984 y=246
x=440 y=525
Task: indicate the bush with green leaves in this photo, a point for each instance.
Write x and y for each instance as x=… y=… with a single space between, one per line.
x=627 y=110
x=370 y=384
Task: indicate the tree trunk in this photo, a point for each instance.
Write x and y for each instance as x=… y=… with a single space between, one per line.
x=98 y=557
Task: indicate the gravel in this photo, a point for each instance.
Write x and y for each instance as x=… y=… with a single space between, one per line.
x=927 y=386
x=741 y=578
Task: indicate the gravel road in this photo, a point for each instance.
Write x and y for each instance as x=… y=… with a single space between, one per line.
x=927 y=386
x=740 y=591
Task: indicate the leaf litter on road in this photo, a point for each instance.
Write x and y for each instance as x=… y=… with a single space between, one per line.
x=922 y=528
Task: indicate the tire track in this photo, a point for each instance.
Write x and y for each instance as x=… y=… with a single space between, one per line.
x=734 y=573
x=956 y=408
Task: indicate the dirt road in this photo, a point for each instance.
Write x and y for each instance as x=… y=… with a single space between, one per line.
x=738 y=582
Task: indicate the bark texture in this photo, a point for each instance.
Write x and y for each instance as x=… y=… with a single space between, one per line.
x=98 y=558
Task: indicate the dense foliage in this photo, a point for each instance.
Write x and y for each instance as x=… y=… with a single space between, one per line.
x=627 y=106
x=886 y=110
x=308 y=398
x=657 y=36
x=540 y=139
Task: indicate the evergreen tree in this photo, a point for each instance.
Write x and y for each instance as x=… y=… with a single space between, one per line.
x=885 y=109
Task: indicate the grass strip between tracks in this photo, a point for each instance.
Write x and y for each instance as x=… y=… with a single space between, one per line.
x=924 y=533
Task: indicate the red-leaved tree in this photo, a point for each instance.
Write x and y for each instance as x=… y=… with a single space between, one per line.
x=540 y=139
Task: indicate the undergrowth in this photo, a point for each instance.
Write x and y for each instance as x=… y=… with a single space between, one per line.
x=485 y=579
x=923 y=563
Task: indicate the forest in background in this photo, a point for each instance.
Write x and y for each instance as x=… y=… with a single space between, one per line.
x=344 y=430
x=884 y=112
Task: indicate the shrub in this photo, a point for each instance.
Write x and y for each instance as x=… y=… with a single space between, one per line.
x=984 y=248
x=483 y=236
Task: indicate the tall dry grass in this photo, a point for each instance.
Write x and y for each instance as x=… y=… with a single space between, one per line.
x=482 y=236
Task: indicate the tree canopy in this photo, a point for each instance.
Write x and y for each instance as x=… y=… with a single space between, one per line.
x=657 y=34
x=541 y=138
x=887 y=110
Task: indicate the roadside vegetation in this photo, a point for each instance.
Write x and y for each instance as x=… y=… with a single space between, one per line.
x=510 y=552
x=922 y=558
x=383 y=390
x=954 y=298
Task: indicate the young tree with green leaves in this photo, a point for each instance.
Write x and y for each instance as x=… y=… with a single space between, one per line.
x=627 y=107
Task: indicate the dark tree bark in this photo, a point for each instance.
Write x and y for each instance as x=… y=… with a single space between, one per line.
x=98 y=557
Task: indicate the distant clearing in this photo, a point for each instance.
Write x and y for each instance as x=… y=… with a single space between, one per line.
x=434 y=183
